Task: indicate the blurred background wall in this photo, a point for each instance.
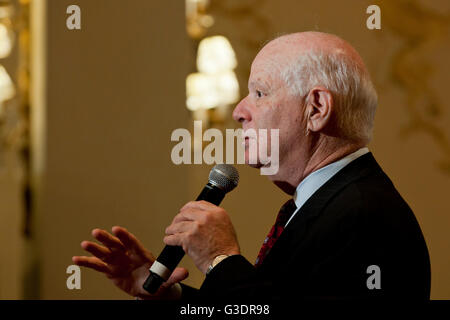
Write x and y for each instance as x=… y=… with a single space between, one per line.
x=106 y=98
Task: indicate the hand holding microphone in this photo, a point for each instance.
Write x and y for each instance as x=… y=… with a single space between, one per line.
x=204 y=231
x=201 y=229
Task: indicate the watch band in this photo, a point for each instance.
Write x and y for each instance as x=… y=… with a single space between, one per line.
x=216 y=261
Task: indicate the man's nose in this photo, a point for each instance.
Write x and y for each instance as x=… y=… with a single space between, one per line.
x=241 y=113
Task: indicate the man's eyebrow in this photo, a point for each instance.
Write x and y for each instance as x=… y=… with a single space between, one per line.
x=258 y=83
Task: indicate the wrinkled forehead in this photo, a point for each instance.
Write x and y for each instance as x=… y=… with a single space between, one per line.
x=269 y=65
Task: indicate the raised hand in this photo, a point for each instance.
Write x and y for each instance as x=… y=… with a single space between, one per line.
x=125 y=261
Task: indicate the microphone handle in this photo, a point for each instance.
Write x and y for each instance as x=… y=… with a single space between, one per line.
x=171 y=256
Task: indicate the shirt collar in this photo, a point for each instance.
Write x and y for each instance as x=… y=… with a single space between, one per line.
x=316 y=179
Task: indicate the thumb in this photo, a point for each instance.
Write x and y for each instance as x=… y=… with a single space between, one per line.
x=178 y=275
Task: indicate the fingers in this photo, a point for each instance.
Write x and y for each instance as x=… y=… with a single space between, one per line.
x=91 y=262
x=113 y=243
x=199 y=205
x=180 y=218
x=125 y=237
x=179 y=227
x=173 y=240
x=190 y=215
x=176 y=231
x=97 y=250
x=194 y=210
x=131 y=242
x=178 y=275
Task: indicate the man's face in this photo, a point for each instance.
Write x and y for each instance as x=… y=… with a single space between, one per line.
x=269 y=105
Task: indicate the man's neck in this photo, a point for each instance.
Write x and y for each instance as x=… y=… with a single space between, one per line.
x=292 y=173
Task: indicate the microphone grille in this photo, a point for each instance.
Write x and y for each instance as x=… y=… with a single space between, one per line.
x=224 y=176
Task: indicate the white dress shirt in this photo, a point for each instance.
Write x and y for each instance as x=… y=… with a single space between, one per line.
x=316 y=179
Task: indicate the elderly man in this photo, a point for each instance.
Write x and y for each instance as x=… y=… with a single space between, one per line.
x=346 y=233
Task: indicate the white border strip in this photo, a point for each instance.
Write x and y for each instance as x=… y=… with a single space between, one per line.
x=161 y=270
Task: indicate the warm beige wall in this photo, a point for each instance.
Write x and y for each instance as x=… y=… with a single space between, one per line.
x=115 y=91
x=11 y=226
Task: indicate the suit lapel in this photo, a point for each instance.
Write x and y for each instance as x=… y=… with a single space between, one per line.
x=298 y=226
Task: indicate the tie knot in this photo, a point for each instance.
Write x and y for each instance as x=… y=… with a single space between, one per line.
x=286 y=212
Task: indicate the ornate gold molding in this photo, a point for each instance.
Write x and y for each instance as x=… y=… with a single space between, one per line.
x=420 y=29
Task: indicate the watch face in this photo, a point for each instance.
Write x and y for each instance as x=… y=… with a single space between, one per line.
x=215 y=262
x=218 y=259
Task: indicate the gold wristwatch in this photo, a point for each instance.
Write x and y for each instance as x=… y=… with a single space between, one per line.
x=216 y=261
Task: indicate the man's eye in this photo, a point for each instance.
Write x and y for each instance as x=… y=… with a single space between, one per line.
x=259 y=94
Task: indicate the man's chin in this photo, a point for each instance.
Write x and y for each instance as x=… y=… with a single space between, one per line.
x=267 y=169
x=252 y=161
x=256 y=165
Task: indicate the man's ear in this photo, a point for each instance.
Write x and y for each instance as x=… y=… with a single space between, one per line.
x=319 y=107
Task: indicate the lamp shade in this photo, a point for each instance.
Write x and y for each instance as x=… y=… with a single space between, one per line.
x=215 y=55
x=7 y=90
x=206 y=91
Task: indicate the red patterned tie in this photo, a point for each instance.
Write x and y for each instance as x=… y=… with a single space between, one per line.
x=284 y=214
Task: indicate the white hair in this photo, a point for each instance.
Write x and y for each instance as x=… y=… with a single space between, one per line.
x=354 y=95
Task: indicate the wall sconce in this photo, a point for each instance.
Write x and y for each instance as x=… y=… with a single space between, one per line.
x=207 y=91
x=215 y=86
x=197 y=19
x=7 y=90
x=14 y=95
x=215 y=55
x=6 y=40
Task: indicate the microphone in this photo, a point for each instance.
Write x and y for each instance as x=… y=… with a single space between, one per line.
x=222 y=179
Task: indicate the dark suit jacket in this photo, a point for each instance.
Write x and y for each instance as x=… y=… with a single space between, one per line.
x=355 y=220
